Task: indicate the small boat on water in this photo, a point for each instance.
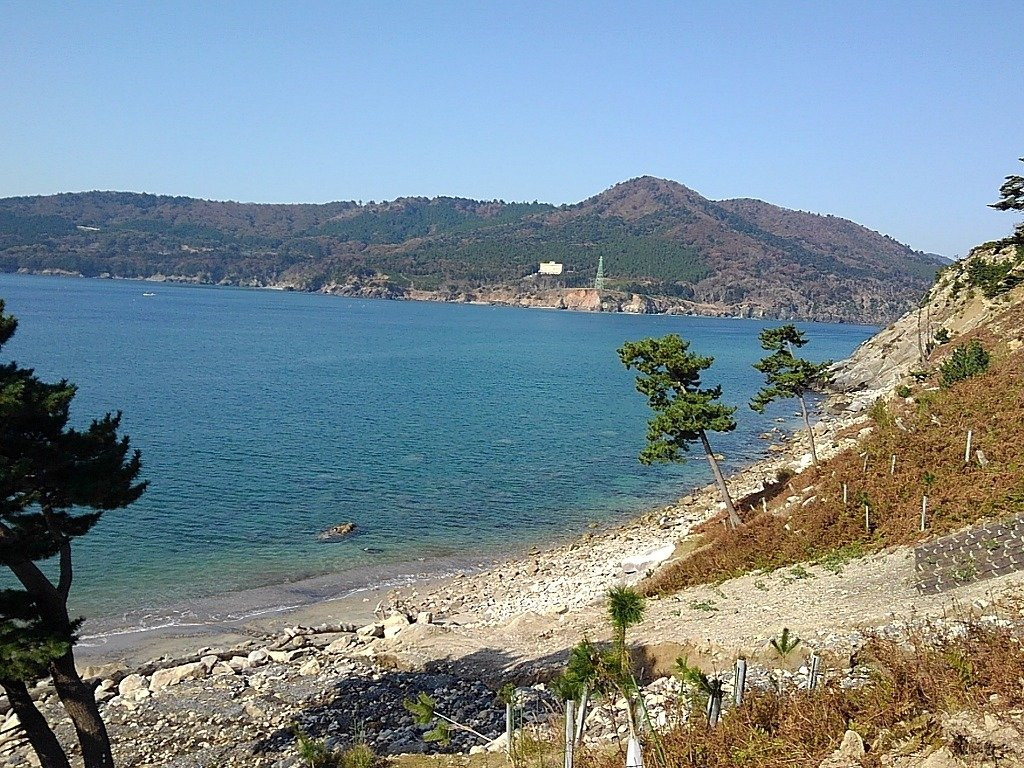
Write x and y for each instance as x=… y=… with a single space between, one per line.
x=149 y=294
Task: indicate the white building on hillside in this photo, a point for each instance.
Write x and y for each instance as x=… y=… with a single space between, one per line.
x=550 y=268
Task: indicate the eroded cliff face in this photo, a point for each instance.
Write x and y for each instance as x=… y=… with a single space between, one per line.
x=573 y=299
x=969 y=300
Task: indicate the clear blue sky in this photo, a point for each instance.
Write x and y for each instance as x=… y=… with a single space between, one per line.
x=904 y=116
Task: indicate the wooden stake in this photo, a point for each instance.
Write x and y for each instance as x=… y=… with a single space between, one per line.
x=764 y=505
x=892 y=465
x=714 y=708
x=967 y=453
x=867 y=519
x=812 y=681
x=570 y=729
x=924 y=511
x=509 y=729
x=739 y=682
x=844 y=496
x=865 y=461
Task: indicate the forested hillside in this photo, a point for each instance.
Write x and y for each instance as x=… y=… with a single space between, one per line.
x=657 y=238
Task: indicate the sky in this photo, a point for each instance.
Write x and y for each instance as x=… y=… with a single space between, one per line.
x=904 y=117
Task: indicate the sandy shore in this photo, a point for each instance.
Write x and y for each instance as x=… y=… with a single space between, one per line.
x=469 y=592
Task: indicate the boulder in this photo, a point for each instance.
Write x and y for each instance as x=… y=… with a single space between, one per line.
x=282 y=657
x=310 y=668
x=394 y=624
x=164 y=678
x=258 y=657
x=424 y=617
x=335 y=532
x=850 y=753
x=370 y=630
x=339 y=646
x=131 y=683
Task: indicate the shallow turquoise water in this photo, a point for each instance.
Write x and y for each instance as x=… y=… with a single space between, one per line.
x=441 y=430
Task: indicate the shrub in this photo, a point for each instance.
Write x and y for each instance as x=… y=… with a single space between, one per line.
x=903 y=390
x=942 y=336
x=966 y=361
x=993 y=277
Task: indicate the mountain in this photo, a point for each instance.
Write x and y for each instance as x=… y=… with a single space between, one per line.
x=664 y=246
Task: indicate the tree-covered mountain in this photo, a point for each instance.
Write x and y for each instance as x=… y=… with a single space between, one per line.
x=657 y=238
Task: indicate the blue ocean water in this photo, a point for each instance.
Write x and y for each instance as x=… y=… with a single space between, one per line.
x=440 y=430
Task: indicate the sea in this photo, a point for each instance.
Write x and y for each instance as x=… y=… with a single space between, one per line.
x=450 y=434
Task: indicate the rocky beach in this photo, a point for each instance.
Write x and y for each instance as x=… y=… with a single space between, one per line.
x=340 y=669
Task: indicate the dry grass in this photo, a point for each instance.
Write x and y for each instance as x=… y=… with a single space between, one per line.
x=915 y=680
x=928 y=439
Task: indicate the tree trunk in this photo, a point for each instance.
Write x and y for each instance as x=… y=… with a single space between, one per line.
x=734 y=519
x=79 y=701
x=45 y=744
x=810 y=432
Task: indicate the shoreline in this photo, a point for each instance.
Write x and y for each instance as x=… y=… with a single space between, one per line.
x=672 y=306
x=456 y=590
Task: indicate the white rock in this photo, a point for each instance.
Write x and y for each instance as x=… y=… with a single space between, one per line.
x=424 y=617
x=258 y=657
x=310 y=668
x=239 y=663
x=282 y=657
x=371 y=630
x=338 y=646
x=209 y=661
x=497 y=745
x=164 y=678
x=394 y=624
x=131 y=683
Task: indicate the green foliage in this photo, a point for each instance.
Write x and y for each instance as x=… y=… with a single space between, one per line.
x=785 y=643
x=27 y=643
x=1011 y=194
x=585 y=669
x=942 y=336
x=670 y=378
x=55 y=482
x=316 y=754
x=507 y=693
x=880 y=414
x=313 y=752
x=1011 y=198
x=786 y=376
x=421 y=708
x=441 y=733
x=660 y=242
x=966 y=360
x=994 y=277
x=903 y=391
x=424 y=711
x=359 y=756
x=836 y=559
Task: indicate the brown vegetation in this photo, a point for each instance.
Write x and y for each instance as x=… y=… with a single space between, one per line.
x=807 y=519
x=914 y=682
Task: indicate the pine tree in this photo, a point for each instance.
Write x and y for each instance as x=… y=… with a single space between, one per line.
x=684 y=412
x=55 y=482
x=1011 y=198
x=787 y=376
